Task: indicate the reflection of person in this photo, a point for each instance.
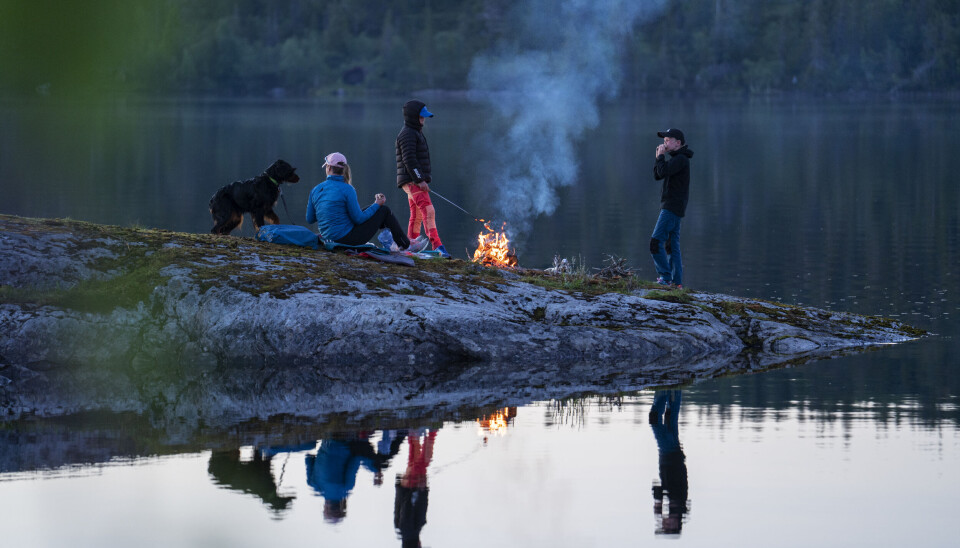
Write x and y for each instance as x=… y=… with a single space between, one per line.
x=673 y=468
x=674 y=194
x=333 y=205
x=413 y=174
x=410 y=504
x=333 y=470
x=387 y=448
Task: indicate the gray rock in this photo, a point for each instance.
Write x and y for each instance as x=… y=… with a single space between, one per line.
x=229 y=329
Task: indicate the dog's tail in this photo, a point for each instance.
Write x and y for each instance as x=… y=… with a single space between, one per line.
x=226 y=215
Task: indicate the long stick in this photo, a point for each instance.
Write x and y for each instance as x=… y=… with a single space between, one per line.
x=454 y=205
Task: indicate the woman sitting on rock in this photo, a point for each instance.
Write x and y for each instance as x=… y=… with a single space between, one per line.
x=333 y=205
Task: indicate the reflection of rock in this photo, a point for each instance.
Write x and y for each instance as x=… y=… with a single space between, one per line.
x=58 y=442
x=62 y=443
x=222 y=328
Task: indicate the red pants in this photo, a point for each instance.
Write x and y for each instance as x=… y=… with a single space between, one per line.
x=421 y=211
x=418 y=459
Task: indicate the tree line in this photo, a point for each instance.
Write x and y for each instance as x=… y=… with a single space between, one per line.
x=305 y=48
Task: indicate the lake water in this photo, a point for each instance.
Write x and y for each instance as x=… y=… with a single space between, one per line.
x=849 y=205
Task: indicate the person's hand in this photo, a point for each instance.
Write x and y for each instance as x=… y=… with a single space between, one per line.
x=380 y=199
x=424 y=186
x=661 y=149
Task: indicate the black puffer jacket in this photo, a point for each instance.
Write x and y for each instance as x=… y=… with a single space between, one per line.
x=413 y=155
x=675 y=173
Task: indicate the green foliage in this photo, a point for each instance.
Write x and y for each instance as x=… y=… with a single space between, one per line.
x=306 y=47
x=48 y=46
x=680 y=296
x=580 y=280
x=98 y=296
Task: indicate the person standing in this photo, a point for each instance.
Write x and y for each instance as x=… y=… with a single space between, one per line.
x=674 y=194
x=413 y=174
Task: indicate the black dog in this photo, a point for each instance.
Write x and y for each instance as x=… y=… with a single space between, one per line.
x=255 y=196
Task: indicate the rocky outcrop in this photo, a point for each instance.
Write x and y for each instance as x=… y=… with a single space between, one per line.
x=205 y=328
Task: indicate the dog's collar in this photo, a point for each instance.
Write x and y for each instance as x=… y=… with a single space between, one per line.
x=272 y=180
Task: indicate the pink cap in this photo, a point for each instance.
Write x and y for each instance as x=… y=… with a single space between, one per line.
x=335 y=159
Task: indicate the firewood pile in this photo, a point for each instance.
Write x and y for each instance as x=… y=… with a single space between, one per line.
x=617 y=268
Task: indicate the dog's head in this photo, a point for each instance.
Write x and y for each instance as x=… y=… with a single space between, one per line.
x=282 y=172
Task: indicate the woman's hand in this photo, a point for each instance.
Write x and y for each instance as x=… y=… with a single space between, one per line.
x=380 y=199
x=424 y=186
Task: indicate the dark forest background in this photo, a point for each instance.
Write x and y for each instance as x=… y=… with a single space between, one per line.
x=303 y=48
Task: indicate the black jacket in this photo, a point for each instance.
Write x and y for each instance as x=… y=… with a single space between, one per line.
x=675 y=173
x=413 y=155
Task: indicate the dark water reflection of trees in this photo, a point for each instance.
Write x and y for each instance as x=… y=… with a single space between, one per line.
x=877 y=387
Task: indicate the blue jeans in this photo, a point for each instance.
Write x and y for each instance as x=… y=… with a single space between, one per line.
x=669 y=267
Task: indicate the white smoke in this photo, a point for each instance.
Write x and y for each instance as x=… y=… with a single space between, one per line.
x=545 y=84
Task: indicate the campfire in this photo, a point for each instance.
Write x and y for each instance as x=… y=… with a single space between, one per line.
x=493 y=248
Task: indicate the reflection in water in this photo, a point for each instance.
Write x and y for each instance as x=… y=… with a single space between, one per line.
x=869 y=447
x=253 y=476
x=664 y=416
x=410 y=504
x=496 y=423
x=332 y=472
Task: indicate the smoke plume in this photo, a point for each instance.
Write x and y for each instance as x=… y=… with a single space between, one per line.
x=545 y=83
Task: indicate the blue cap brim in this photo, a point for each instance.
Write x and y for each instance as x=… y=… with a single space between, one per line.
x=426 y=113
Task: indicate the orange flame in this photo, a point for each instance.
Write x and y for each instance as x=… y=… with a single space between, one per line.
x=497 y=423
x=493 y=248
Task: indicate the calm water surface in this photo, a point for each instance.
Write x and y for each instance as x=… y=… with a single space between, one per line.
x=845 y=205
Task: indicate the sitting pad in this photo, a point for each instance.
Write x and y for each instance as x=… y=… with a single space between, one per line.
x=428 y=254
x=393 y=258
x=333 y=246
x=370 y=251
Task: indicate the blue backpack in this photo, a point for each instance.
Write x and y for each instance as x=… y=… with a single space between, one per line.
x=289 y=235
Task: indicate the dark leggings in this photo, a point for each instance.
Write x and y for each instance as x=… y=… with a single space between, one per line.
x=383 y=218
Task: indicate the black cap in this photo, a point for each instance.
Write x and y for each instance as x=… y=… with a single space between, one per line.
x=675 y=133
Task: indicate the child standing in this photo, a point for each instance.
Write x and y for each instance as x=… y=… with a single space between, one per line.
x=413 y=174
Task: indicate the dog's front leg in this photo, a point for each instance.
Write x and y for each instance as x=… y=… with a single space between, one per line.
x=257 y=219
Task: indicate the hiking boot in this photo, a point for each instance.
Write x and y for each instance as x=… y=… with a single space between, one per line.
x=678 y=286
x=442 y=251
x=417 y=245
x=661 y=281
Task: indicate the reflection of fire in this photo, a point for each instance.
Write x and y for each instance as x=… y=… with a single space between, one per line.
x=497 y=422
x=493 y=248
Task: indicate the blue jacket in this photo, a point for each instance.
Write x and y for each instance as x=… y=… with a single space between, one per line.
x=333 y=471
x=333 y=205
